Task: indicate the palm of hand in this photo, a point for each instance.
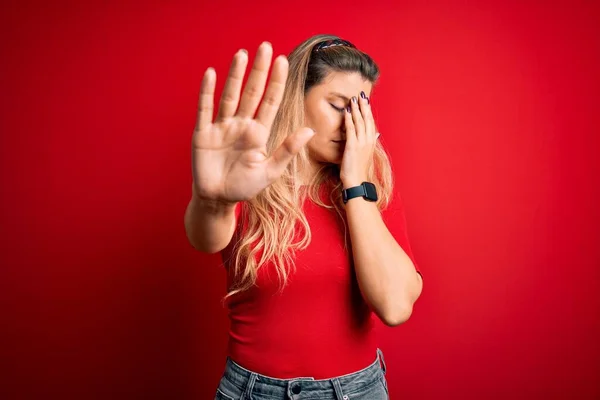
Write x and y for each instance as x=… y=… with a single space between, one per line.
x=227 y=157
x=230 y=162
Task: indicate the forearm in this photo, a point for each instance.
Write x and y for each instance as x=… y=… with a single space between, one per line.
x=209 y=225
x=386 y=275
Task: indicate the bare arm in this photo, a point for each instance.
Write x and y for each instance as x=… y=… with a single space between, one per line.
x=209 y=224
x=386 y=275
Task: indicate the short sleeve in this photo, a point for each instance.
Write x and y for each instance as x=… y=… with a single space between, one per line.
x=395 y=219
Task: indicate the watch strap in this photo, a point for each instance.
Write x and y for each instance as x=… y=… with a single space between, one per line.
x=366 y=190
x=356 y=191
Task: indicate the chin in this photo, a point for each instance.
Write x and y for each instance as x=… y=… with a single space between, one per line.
x=334 y=161
x=330 y=160
x=327 y=156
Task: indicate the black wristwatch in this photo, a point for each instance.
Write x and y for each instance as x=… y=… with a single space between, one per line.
x=366 y=190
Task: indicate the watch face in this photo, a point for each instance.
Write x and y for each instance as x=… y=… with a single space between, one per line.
x=371 y=192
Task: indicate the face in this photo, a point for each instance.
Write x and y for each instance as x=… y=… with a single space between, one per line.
x=324 y=107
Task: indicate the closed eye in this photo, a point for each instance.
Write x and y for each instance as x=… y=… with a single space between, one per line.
x=337 y=108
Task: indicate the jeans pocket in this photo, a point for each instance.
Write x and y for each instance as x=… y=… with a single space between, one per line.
x=222 y=396
x=374 y=390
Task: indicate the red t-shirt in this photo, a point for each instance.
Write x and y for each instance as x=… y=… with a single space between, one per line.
x=319 y=326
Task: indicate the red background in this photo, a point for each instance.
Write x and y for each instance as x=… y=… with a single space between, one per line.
x=489 y=111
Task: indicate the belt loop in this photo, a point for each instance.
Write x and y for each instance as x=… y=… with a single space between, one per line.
x=382 y=360
x=250 y=386
x=337 y=387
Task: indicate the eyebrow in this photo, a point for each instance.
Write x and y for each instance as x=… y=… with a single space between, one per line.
x=336 y=94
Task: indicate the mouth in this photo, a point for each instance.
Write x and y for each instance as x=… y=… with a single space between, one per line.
x=338 y=141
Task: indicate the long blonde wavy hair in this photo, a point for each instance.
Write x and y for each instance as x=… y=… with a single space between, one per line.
x=272 y=218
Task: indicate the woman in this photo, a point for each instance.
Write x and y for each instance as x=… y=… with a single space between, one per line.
x=289 y=187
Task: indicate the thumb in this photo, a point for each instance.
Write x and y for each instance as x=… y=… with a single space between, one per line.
x=284 y=154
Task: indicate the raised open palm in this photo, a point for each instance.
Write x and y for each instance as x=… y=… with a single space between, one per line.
x=229 y=155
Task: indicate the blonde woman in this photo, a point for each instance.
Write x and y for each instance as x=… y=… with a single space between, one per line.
x=289 y=184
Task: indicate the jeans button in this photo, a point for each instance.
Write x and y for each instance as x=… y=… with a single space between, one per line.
x=296 y=388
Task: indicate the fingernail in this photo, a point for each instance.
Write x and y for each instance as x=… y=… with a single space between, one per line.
x=368 y=100
x=348 y=109
x=363 y=95
x=244 y=51
x=354 y=99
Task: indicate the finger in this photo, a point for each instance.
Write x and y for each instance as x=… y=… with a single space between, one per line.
x=277 y=163
x=367 y=115
x=274 y=94
x=350 y=130
x=255 y=87
x=359 y=124
x=206 y=101
x=231 y=92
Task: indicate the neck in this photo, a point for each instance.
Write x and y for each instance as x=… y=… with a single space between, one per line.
x=309 y=173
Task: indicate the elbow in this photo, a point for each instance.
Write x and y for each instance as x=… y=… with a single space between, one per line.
x=399 y=310
x=396 y=315
x=200 y=243
x=206 y=248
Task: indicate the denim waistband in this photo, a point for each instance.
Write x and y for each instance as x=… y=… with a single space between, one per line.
x=252 y=382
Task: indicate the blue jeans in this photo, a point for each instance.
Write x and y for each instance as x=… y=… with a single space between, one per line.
x=239 y=383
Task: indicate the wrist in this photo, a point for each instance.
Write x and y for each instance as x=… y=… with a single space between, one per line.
x=352 y=182
x=365 y=189
x=212 y=206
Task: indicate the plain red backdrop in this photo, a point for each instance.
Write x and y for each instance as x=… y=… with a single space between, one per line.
x=490 y=114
